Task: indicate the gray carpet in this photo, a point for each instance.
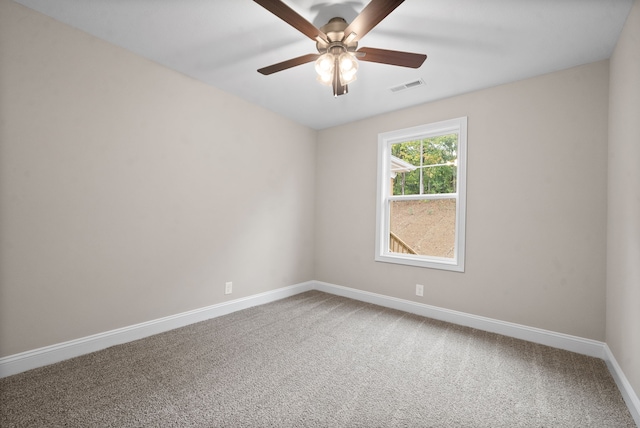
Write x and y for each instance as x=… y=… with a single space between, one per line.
x=318 y=360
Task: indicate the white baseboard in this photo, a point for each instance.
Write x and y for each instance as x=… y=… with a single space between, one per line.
x=567 y=342
x=52 y=354
x=628 y=394
x=28 y=360
x=24 y=361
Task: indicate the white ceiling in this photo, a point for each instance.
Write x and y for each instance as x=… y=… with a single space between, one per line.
x=470 y=44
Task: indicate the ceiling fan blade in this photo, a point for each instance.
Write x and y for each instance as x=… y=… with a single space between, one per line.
x=288 y=64
x=370 y=16
x=291 y=17
x=383 y=56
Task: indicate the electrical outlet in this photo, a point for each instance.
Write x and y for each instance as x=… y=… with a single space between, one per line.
x=419 y=290
x=228 y=287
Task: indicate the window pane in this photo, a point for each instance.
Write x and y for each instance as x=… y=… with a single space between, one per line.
x=405 y=168
x=423 y=227
x=427 y=166
x=439 y=179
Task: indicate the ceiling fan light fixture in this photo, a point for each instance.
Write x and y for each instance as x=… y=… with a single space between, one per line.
x=346 y=80
x=336 y=69
x=325 y=79
x=324 y=67
x=348 y=67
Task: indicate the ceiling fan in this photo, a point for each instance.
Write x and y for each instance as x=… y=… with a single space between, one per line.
x=337 y=44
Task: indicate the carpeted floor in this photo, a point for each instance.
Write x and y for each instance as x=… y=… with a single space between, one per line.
x=318 y=360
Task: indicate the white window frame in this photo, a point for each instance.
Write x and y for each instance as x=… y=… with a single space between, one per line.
x=384 y=198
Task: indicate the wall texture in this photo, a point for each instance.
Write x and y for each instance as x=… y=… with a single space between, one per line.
x=536 y=204
x=623 y=232
x=129 y=192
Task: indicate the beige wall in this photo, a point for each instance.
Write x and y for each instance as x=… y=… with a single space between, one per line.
x=129 y=192
x=536 y=204
x=623 y=232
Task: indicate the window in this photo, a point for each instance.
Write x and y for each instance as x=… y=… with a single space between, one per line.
x=421 y=195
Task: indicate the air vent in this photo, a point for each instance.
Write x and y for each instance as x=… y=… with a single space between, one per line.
x=409 y=85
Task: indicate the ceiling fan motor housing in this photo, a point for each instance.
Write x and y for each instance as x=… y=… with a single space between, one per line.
x=334 y=30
